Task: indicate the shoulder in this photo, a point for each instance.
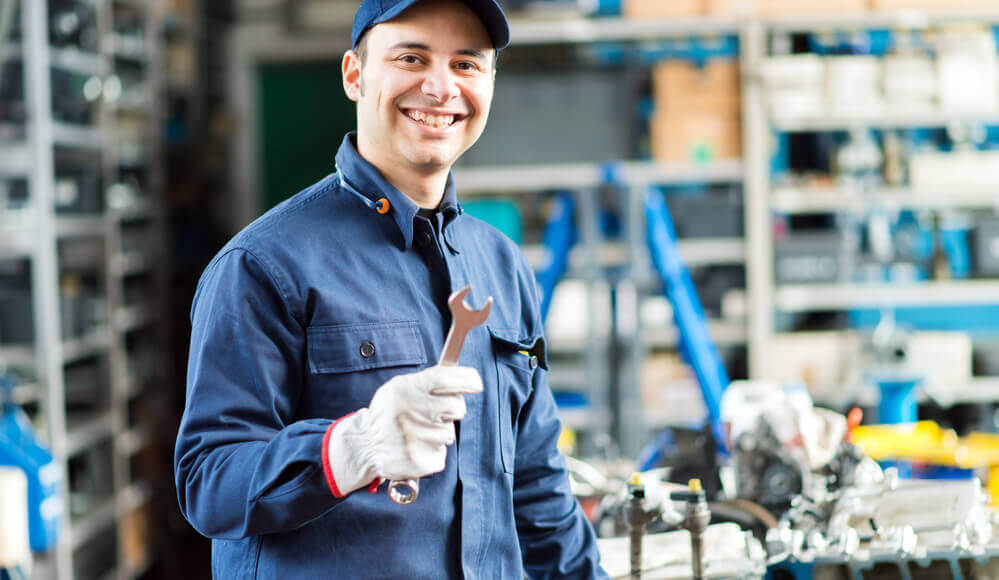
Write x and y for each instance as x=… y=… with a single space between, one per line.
x=266 y=246
x=489 y=238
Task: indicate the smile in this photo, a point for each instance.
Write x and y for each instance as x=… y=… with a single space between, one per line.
x=431 y=120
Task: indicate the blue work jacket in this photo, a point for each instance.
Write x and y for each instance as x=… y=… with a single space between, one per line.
x=279 y=320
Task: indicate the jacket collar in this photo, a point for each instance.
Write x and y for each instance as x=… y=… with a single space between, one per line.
x=369 y=182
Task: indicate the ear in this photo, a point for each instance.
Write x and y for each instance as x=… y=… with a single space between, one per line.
x=351 y=70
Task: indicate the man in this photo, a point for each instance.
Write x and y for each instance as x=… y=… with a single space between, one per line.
x=311 y=327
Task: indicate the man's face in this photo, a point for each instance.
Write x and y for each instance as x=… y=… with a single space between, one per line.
x=424 y=89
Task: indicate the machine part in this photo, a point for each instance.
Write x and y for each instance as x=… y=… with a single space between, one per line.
x=639 y=515
x=463 y=319
x=729 y=553
x=695 y=521
x=890 y=528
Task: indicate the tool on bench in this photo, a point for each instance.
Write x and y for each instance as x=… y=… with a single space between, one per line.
x=463 y=319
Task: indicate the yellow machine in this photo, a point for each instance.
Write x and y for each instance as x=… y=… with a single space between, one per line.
x=926 y=442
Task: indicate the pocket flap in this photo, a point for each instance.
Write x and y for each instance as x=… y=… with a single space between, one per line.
x=346 y=348
x=532 y=345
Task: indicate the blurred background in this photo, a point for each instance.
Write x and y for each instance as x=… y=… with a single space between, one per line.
x=829 y=170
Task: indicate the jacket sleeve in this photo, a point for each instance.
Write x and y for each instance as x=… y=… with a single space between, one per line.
x=242 y=467
x=556 y=539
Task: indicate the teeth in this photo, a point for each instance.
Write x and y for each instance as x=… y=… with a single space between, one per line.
x=436 y=121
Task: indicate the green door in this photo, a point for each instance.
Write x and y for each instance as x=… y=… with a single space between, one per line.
x=303 y=117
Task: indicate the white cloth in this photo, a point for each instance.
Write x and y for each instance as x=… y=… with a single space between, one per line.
x=14 y=522
x=405 y=431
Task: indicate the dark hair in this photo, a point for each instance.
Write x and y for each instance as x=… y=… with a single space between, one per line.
x=361 y=48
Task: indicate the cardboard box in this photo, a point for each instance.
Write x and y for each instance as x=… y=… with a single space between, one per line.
x=659 y=9
x=681 y=86
x=825 y=361
x=696 y=137
x=134 y=535
x=729 y=8
x=797 y=7
x=670 y=393
x=933 y=5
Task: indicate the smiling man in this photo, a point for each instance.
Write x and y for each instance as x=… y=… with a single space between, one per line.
x=315 y=332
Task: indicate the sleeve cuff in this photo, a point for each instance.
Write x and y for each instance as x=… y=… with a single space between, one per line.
x=327 y=467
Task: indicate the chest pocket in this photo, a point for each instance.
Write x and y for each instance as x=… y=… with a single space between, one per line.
x=517 y=359
x=339 y=353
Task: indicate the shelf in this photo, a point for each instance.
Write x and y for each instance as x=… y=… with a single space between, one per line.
x=94 y=523
x=88 y=345
x=979 y=390
x=134 y=496
x=80 y=226
x=78 y=61
x=813 y=297
x=723 y=333
x=712 y=251
x=17 y=239
x=879 y=20
x=134 y=386
x=793 y=200
x=129 y=264
x=82 y=435
x=532 y=178
x=26 y=393
x=884 y=120
x=695 y=252
x=567 y=377
x=137 y=209
x=15 y=160
x=580 y=30
x=16 y=243
x=12 y=51
x=19 y=355
x=76 y=136
x=128 y=48
x=574 y=417
x=132 y=441
x=129 y=318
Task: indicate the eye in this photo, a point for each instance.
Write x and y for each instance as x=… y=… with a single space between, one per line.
x=409 y=59
x=467 y=66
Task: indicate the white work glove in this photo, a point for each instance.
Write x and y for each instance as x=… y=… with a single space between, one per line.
x=405 y=431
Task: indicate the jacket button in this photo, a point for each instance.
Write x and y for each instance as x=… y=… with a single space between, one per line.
x=533 y=363
x=423 y=239
x=367 y=350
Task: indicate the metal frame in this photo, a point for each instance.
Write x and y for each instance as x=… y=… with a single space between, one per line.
x=37 y=240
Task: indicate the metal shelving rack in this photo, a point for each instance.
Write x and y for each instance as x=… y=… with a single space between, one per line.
x=595 y=372
x=764 y=297
x=35 y=235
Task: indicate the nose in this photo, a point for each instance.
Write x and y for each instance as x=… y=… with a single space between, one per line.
x=440 y=84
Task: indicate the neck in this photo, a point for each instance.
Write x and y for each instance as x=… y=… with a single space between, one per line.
x=424 y=188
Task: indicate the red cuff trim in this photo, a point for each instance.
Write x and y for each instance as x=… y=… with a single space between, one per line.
x=327 y=468
x=373 y=486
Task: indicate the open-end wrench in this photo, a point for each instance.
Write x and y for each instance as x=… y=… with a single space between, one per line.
x=463 y=319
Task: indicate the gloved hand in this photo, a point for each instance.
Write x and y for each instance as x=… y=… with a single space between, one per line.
x=404 y=432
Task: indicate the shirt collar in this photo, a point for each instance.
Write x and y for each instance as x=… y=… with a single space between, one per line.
x=370 y=183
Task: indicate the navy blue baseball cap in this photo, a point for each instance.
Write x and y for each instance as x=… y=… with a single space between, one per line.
x=372 y=12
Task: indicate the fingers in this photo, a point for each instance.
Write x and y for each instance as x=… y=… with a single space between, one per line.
x=445 y=380
x=445 y=408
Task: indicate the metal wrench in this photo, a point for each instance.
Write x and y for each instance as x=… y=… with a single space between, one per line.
x=463 y=319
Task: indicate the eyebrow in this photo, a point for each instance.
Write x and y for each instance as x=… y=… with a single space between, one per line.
x=473 y=52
